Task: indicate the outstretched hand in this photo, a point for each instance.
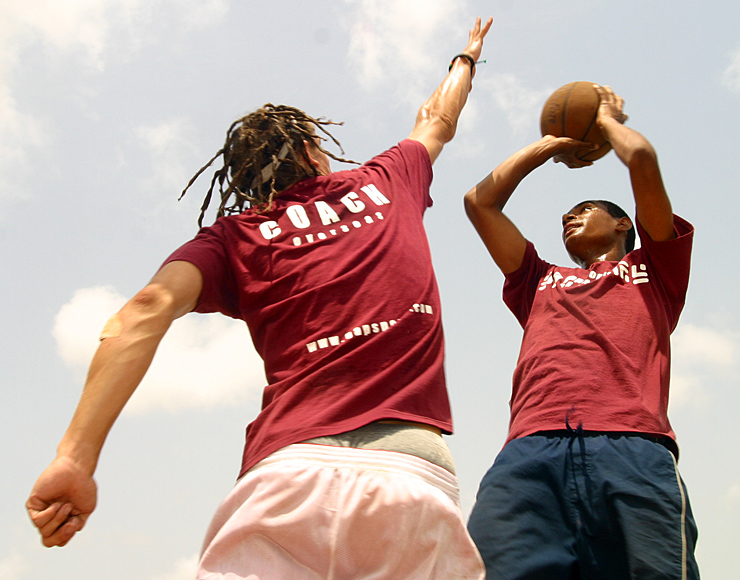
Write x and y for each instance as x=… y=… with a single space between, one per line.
x=62 y=499
x=437 y=118
x=475 y=38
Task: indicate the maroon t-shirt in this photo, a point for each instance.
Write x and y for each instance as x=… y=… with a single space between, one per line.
x=596 y=344
x=336 y=285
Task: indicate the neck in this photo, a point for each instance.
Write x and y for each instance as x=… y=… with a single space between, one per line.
x=614 y=254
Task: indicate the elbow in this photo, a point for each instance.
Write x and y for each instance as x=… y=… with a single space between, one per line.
x=472 y=207
x=152 y=307
x=154 y=297
x=641 y=156
x=447 y=127
x=442 y=125
x=469 y=201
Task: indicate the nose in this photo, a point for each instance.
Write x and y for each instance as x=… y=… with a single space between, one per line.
x=568 y=217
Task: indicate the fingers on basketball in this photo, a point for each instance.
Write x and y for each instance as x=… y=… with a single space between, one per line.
x=571 y=111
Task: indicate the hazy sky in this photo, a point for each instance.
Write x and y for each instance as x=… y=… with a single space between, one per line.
x=107 y=107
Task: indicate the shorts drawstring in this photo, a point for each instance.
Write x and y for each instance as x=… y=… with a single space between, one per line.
x=578 y=434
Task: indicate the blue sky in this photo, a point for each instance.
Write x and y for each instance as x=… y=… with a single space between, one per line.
x=107 y=107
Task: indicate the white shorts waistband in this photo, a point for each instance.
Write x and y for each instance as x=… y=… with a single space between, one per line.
x=352 y=458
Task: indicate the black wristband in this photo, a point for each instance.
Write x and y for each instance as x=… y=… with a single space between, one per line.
x=469 y=58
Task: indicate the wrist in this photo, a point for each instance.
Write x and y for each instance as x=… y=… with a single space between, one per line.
x=83 y=457
x=607 y=123
x=545 y=148
x=465 y=57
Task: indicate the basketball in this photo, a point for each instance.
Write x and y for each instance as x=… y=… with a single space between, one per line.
x=571 y=112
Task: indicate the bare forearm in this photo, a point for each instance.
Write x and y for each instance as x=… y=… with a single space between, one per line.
x=116 y=370
x=484 y=204
x=629 y=145
x=436 y=121
x=496 y=188
x=442 y=110
x=652 y=203
x=65 y=494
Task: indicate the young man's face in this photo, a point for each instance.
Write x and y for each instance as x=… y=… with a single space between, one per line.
x=588 y=228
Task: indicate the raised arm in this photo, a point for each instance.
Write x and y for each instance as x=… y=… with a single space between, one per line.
x=484 y=203
x=652 y=204
x=436 y=121
x=65 y=494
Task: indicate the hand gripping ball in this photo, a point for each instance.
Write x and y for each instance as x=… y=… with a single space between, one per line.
x=571 y=112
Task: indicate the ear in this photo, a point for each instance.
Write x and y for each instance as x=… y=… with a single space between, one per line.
x=624 y=224
x=308 y=149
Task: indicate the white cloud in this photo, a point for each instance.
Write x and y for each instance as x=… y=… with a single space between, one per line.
x=701 y=356
x=84 y=30
x=396 y=44
x=203 y=361
x=712 y=349
x=79 y=322
x=731 y=75
x=59 y=25
x=184 y=570
x=14 y=567
x=65 y=24
x=89 y=25
x=522 y=105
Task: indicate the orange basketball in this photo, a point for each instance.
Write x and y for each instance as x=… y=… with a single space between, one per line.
x=571 y=112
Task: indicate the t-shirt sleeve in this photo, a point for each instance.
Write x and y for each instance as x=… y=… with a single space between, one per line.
x=408 y=162
x=521 y=285
x=207 y=252
x=671 y=261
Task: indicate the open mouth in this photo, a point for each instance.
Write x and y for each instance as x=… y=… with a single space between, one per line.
x=569 y=228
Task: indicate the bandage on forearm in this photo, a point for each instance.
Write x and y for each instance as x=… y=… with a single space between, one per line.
x=112 y=328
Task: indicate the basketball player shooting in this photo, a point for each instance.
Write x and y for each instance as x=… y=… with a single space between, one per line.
x=587 y=483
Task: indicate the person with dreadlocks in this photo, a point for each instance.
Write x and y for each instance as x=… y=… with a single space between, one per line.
x=345 y=474
x=587 y=484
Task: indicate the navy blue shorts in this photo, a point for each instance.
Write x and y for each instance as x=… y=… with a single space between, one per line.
x=561 y=506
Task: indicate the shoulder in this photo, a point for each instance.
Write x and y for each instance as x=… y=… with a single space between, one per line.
x=675 y=248
x=407 y=153
x=682 y=228
x=531 y=261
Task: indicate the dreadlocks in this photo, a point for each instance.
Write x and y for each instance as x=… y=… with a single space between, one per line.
x=264 y=155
